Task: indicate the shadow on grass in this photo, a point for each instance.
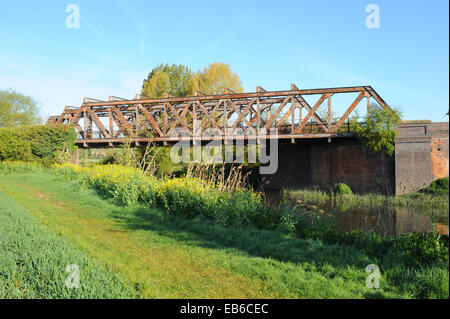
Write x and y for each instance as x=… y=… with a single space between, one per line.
x=248 y=240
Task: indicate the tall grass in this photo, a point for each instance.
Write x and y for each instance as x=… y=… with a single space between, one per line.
x=33 y=262
x=187 y=257
x=224 y=202
x=7 y=167
x=200 y=207
x=330 y=200
x=225 y=179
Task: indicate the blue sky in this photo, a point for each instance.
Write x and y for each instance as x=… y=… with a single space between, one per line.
x=268 y=43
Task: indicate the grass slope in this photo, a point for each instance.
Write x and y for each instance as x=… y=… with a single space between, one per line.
x=166 y=257
x=33 y=262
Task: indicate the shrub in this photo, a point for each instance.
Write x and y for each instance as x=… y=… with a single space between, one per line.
x=423 y=248
x=306 y=221
x=378 y=131
x=43 y=143
x=126 y=184
x=342 y=189
x=191 y=197
x=438 y=187
x=186 y=196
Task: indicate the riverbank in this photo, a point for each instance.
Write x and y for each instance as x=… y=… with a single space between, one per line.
x=419 y=200
x=167 y=254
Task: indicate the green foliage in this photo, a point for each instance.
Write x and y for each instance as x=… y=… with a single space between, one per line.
x=125 y=184
x=33 y=262
x=416 y=201
x=216 y=78
x=188 y=197
x=306 y=221
x=302 y=255
x=152 y=160
x=179 y=80
x=438 y=187
x=173 y=79
x=422 y=248
x=342 y=189
x=411 y=250
x=161 y=157
x=48 y=143
x=17 y=109
x=20 y=167
x=378 y=131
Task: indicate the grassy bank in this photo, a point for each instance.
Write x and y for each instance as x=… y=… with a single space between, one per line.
x=164 y=256
x=164 y=252
x=33 y=262
x=419 y=200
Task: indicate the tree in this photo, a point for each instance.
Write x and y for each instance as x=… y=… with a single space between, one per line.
x=216 y=78
x=17 y=109
x=174 y=79
x=180 y=81
x=378 y=131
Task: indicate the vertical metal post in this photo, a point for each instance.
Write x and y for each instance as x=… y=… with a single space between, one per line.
x=225 y=116
x=75 y=157
x=165 y=118
x=111 y=123
x=330 y=129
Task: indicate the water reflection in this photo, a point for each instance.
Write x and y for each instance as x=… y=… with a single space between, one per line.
x=391 y=222
x=385 y=221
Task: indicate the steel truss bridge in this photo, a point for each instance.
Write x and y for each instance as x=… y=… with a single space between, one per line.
x=231 y=115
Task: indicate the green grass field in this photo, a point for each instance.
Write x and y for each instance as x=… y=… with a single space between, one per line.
x=135 y=251
x=33 y=262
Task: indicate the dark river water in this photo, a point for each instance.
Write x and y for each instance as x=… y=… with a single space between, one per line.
x=395 y=221
x=383 y=220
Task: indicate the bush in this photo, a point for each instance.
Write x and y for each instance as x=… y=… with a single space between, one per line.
x=126 y=184
x=43 y=143
x=378 y=131
x=306 y=221
x=188 y=197
x=191 y=197
x=439 y=187
x=342 y=189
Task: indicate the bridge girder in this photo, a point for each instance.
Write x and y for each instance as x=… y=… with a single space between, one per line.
x=229 y=116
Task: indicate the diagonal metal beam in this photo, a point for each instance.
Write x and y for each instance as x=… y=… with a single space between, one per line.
x=98 y=123
x=305 y=104
x=280 y=108
x=349 y=110
x=152 y=121
x=310 y=114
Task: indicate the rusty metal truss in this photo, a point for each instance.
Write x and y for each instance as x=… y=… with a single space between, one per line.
x=230 y=116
